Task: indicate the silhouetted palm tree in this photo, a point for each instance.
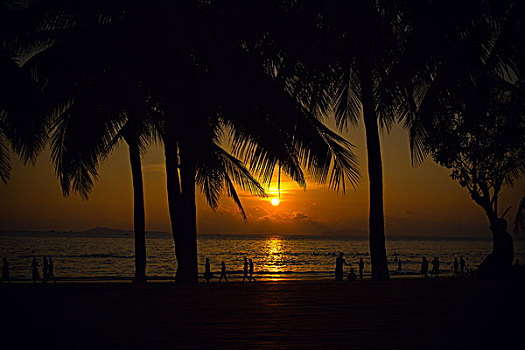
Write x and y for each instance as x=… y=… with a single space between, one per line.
x=71 y=107
x=219 y=79
x=342 y=66
x=268 y=127
x=388 y=61
x=77 y=157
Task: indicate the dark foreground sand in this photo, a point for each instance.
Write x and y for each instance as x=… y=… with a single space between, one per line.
x=402 y=313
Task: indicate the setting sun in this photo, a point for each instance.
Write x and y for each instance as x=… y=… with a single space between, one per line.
x=275 y=201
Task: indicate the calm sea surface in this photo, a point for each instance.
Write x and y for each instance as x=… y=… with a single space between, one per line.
x=275 y=257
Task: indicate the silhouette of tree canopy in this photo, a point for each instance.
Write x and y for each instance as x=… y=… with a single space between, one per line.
x=222 y=71
x=483 y=144
x=196 y=110
x=385 y=62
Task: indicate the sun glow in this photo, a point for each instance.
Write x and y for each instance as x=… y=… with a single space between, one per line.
x=275 y=201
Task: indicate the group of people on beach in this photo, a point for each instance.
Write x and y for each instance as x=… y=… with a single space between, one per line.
x=247 y=271
x=458 y=267
x=48 y=270
x=340 y=261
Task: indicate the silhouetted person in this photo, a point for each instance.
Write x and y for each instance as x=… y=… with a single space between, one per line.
x=339 y=262
x=5 y=272
x=462 y=264
x=435 y=267
x=517 y=262
x=207 y=271
x=51 y=271
x=399 y=265
x=351 y=275
x=245 y=269
x=223 y=272
x=34 y=271
x=361 y=267
x=45 y=269
x=251 y=278
x=455 y=266
x=424 y=267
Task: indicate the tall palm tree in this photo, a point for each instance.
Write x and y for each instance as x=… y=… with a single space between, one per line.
x=387 y=61
x=342 y=66
x=192 y=128
x=77 y=157
x=222 y=84
x=68 y=105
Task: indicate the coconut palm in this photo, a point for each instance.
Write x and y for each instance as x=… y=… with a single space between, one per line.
x=342 y=67
x=191 y=129
x=69 y=107
x=375 y=61
x=267 y=126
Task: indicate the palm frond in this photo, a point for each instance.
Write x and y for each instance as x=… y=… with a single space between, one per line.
x=77 y=157
x=5 y=166
x=233 y=194
x=218 y=170
x=347 y=105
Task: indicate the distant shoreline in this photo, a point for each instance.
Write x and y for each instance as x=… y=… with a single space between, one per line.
x=115 y=233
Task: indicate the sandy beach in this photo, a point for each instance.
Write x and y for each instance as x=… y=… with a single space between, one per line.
x=401 y=313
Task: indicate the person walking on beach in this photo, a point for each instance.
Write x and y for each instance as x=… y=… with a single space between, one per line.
x=34 y=271
x=339 y=262
x=424 y=267
x=223 y=272
x=455 y=266
x=435 y=267
x=245 y=269
x=251 y=278
x=45 y=269
x=51 y=271
x=5 y=272
x=207 y=271
x=361 y=267
x=462 y=265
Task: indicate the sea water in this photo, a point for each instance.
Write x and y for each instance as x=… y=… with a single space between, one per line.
x=80 y=257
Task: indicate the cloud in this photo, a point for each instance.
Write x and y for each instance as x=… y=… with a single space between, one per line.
x=300 y=217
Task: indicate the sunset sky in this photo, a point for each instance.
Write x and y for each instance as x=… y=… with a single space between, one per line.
x=418 y=201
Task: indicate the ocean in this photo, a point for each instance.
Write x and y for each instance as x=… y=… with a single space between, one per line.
x=81 y=257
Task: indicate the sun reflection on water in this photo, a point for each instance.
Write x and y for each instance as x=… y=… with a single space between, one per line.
x=273 y=262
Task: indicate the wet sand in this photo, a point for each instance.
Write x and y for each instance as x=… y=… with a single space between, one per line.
x=396 y=314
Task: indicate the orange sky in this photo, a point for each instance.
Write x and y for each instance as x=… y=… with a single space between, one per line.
x=418 y=201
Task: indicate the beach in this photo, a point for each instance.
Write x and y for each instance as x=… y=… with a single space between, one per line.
x=396 y=314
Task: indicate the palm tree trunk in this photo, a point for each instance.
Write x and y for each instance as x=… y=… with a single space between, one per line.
x=182 y=208
x=375 y=177
x=174 y=193
x=187 y=271
x=138 y=213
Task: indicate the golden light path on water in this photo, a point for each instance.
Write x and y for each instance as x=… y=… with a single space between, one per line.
x=273 y=262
